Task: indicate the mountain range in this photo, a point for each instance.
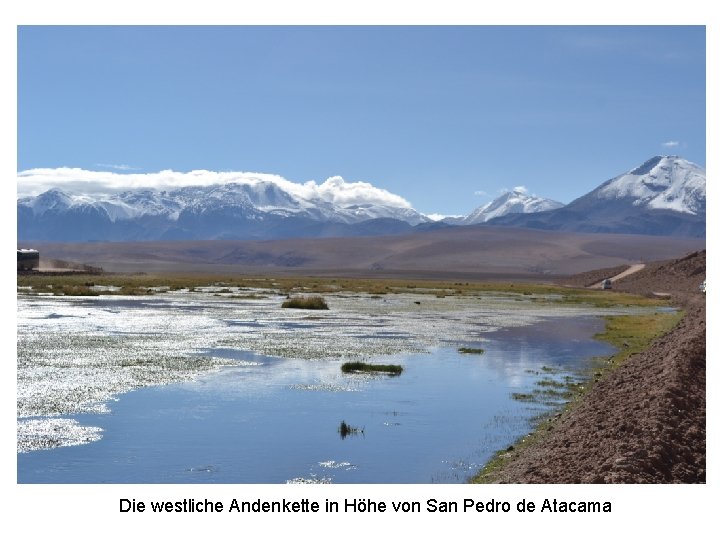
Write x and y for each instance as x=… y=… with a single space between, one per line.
x=666 y=195
x=663 y=196
x=258 y=210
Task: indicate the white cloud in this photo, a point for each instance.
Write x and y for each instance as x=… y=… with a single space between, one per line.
x=671 y=144
x=480 y=193
x=116 y=167
x=338 y=191
x=521 y=189
x=80 y=181
x=438 y=217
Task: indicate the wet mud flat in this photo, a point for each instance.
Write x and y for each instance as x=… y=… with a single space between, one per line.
x=201 y=387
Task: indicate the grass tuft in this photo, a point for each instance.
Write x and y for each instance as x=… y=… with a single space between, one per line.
x=346 y=429
x=306 y=302
x=471 y=350
x=362 y=367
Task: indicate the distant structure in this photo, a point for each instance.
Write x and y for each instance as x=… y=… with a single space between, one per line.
x=28 y=259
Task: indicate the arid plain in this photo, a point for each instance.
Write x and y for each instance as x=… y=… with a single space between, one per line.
x=473 y=252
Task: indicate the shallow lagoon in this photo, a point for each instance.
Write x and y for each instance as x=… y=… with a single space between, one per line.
x=241 y=391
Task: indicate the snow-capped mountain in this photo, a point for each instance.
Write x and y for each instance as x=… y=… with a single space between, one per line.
x=663 y=196
x=661 y=183
x=261 y=209
x=515 y=201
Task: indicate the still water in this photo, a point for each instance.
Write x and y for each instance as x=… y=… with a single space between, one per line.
x=254 y=417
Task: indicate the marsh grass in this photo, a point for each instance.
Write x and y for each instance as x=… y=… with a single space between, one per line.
x=305 y=302
x=631 y=334
x=346 y=429
x=362 y=367
x=142 y=283
x=551 y=383
x=471 y=350
x=76 y=290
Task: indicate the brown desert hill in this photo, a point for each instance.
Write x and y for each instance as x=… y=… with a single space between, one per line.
x=644 y=422
x=678 y=277
x=471 y=252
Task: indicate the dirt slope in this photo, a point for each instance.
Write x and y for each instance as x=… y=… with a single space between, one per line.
x=679 y=277
x=645 y=421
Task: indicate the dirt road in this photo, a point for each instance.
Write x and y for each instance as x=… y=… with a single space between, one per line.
x=633 y=268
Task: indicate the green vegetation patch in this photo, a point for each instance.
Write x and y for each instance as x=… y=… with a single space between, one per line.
x=306 y=302
x=631 y=334
x=362 y=367
x=471 y=350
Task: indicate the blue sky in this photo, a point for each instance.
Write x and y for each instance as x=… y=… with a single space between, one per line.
x=446 y=117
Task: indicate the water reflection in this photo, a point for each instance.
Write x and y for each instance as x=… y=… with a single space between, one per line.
x=270 y=411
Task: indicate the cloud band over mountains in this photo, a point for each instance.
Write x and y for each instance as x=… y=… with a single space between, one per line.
x=81 y=181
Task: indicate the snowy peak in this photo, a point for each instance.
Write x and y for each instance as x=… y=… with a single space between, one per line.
x=146 y=202
x=52 y=200
x=515 y=201
x=661 y=183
